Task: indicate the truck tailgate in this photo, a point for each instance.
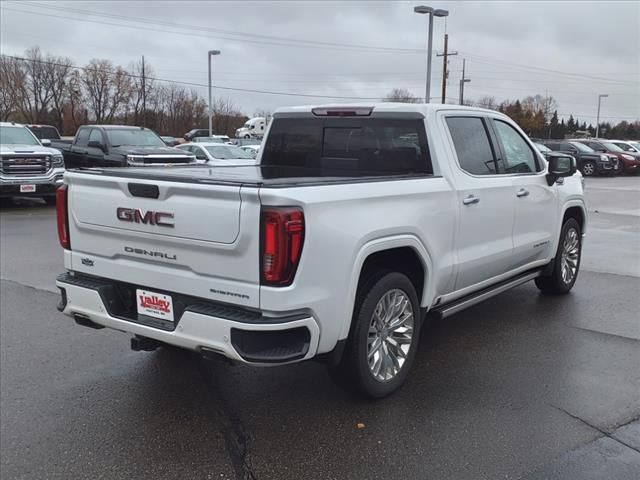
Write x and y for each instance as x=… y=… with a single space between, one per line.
x=195 y=239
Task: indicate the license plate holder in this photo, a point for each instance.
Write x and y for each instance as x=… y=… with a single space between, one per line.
x=27 y=188
x=155 y=305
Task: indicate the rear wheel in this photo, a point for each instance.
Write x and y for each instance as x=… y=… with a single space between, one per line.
x=589 y=168
x=384 y=340
x=567 y=261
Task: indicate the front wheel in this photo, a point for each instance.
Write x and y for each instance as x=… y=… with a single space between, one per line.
x=567 y=261
x=384 y=340
x=589 y=169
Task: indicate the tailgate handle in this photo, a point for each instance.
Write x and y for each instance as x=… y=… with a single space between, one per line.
x=144 y=190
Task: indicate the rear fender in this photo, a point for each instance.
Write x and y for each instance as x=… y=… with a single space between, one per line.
x=378 y=245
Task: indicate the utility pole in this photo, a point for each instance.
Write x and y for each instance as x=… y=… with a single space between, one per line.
x=600 y=97
x=144 y=95
x=463 y=80
x=210 y=54
x=445 y=66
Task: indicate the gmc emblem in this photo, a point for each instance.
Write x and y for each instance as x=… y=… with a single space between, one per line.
x=135 y=215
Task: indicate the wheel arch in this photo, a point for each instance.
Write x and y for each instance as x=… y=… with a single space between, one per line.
x=576 y=211
x=405 y=254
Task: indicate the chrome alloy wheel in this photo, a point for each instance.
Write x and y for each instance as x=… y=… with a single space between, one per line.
x=570 y=255
x=390 y=335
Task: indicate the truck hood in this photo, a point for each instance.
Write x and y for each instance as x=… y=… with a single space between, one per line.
x=36 y=149
x=132 y=150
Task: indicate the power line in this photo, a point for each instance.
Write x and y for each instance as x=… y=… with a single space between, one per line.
x=259 y=39
x=193 y=84
x=479 y=58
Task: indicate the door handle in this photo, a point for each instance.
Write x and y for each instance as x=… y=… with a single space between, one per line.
x=523 y=192
x=471 y=199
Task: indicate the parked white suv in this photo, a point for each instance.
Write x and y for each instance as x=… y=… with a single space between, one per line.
x=27 y=167
x=358 y=222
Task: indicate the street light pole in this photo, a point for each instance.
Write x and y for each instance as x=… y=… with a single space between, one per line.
x=600 y=97
x=431 y=12
x=210 y=54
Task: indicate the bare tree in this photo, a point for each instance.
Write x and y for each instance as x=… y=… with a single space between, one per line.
x=401 y=95
x=487 y=102
x=57 y=73
x=12 y=80
x=75 y=111
x=34 y=93
x=140 y=89
x=225 y=116
x=108 y=90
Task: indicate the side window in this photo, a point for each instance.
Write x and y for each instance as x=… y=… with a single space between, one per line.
x=519 y=158
x=472 y=145
x=96 y=136
x=83 y=137
x=567 y=147
x=553 y=146
x=199 y=153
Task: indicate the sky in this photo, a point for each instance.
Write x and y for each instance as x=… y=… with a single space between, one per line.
x=348 y=51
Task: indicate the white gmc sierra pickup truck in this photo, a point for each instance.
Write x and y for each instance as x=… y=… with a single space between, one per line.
x=357 y=222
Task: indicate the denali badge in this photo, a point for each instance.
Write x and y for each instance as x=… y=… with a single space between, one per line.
x=148 y=218
x=150 y=253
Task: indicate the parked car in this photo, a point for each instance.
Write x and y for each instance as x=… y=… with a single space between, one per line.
x=627 y=146
x=251 y=150
x=27 y=167
x=253 y=128
x=627 y=162
x=213 y=139
x=589 y=161
x=45 y=133
x=241 y=142
x=218 y=154
x=195 y=133
x=353 y=227
x=169 y=141
x=119 y=146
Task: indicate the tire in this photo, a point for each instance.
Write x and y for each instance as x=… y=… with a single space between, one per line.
x=247 y=136
x=396 y=347
x=51 y=200
x=567 y=261
x=589 y=168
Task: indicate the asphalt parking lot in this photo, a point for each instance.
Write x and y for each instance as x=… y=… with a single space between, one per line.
x=521 y=386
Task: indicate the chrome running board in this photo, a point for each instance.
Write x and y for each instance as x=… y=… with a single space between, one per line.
x=456 y=306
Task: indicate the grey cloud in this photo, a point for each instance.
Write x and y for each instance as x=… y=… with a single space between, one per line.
x=588 y=38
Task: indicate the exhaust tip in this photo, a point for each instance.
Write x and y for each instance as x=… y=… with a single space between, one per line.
x=86 y=321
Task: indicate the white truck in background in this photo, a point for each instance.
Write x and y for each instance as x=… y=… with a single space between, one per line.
x=358 y=222
x=28 y=166
x=253 y=128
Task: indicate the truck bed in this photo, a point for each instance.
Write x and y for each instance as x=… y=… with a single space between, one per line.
x=250 y=175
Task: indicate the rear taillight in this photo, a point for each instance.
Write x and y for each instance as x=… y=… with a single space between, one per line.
x=282 y=236
x=63 y=217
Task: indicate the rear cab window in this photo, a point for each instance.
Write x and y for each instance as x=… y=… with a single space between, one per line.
x=359 y=146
